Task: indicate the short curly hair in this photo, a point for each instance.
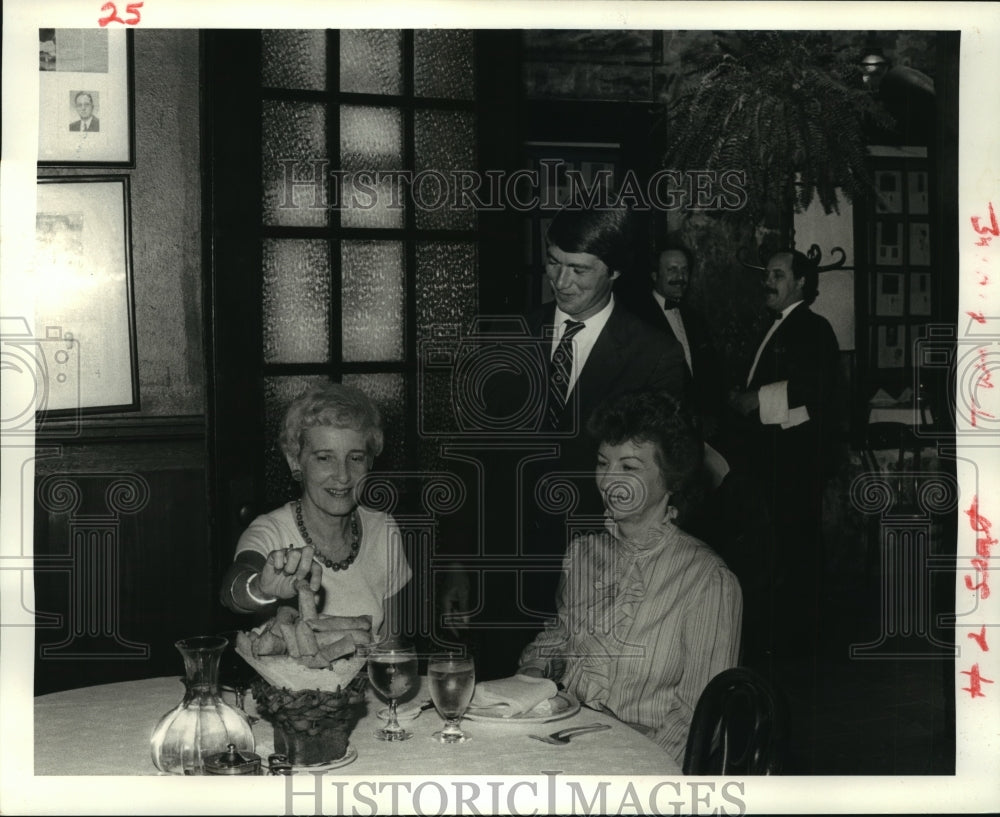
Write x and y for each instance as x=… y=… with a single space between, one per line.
x=659 y=418
x=332 y=404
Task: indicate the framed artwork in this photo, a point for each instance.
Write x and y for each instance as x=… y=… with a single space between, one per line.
x=920 y=243
x=890 y=346
x=917 y=192
x=889 y=184
x=889 y=243
x=84 y=310
x=920 y=293
x=85 y=113
x=889 y=294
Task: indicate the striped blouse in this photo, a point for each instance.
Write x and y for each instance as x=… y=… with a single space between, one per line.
x=641 y=628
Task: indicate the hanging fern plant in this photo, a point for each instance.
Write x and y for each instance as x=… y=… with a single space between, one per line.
x=785 y=108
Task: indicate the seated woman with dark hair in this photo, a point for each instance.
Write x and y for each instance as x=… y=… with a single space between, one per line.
x=647 y=614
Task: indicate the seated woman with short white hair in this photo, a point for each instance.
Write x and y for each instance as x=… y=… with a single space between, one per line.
x=350 y=556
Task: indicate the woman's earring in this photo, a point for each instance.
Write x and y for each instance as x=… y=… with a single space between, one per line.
x=297 y=475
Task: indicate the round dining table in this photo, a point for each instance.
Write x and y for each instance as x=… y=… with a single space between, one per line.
x=105 y=730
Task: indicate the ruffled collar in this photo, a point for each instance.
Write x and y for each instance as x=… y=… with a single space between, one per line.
x=650 y=541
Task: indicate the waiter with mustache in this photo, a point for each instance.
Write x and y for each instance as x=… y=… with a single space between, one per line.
x=786 y=419
x=666 y=306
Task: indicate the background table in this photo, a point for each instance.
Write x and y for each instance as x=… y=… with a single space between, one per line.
x=105 y=730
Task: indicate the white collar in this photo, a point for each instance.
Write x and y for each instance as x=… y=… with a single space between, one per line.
x=598 y=319
x=663 y=301
x=787 y=310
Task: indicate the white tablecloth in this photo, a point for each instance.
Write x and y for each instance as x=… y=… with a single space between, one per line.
x=105 y=730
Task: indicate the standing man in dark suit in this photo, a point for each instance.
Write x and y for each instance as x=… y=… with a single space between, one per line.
x=787 y=422
x=665 y=307
x=584 y=347
x=611 y=351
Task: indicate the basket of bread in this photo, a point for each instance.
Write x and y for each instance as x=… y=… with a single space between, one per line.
x=311 y=690
x=300 y=649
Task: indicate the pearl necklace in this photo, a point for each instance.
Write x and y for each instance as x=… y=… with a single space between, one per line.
x=355 y=545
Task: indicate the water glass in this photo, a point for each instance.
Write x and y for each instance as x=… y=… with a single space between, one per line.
x=392 y=670
x=452 y=681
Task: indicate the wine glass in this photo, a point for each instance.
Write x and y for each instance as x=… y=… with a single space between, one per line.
x=452 y=681
x=392 y=670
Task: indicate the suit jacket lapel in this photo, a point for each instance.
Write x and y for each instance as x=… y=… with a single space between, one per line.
x=603 y=364
x=766 y=367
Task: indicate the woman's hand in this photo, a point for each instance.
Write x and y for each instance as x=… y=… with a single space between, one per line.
x=284 y=567
x=554 y=668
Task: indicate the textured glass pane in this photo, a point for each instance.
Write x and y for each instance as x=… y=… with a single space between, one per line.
x=293 y=164
x=278 y=393
x=447 y=300
x=371 y=61
x=444 y=143
x=388 y=392
x=447 y=287
x=442 y=63
x=294 y=58
x=373 y=300
x=296 y=301
x=371 y=140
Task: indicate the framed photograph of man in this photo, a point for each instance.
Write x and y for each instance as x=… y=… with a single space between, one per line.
x=85 y=105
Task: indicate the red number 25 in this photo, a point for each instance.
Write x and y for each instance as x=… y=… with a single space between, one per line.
x=112 y=9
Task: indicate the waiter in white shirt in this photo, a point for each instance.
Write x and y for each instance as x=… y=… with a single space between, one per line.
x=788 y=413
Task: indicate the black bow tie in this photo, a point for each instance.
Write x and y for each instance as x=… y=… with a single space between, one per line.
x=775 y=316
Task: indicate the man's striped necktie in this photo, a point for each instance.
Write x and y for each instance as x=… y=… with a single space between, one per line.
x=560 y=369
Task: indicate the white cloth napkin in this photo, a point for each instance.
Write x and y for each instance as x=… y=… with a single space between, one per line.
x=507 y=697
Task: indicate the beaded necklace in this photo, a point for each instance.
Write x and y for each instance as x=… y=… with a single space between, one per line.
x=343 y=564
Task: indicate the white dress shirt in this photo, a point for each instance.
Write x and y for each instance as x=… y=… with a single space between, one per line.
x=583 y=341
x=773 y=397
x=677 y=325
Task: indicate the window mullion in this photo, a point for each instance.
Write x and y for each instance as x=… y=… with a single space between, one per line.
x=336 y=332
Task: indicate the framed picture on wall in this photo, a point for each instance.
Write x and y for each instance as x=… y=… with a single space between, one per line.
x=889 y=184
x=889 y=294
x=890 y=346
x=920 y=293
x=920 y=243
x=916 y=196
x=85 y=113
x=84 y=309
x=889 y=243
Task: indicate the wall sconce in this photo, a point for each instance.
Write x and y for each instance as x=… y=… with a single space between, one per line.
x=873 y=68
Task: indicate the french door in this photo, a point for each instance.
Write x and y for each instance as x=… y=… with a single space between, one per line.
x=319 y=274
